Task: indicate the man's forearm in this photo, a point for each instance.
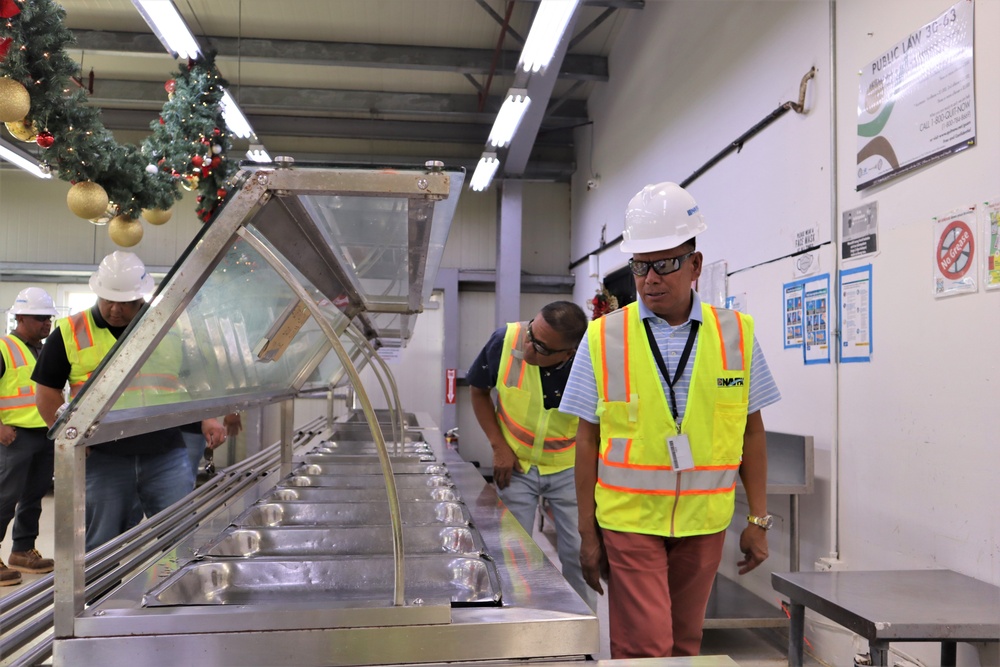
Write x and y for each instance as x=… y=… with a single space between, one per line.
x=486 y=415
x=48 y=400
x=753 y=469
x=587 y=449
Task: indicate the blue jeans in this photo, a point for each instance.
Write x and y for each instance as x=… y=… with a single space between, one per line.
x=195 y=443
x=118 y=485
x=559 y=489
x=25 y=477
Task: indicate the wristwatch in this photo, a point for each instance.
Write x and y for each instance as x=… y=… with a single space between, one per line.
x=764 y=522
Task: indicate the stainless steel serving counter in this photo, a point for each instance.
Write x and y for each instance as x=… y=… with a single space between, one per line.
x=534 y=614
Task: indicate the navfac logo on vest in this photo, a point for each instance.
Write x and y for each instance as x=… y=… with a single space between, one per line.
x=730 y=382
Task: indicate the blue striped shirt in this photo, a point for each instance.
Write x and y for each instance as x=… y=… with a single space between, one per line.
x=580 y=396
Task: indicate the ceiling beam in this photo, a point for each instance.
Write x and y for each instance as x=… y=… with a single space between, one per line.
x=125 y=94
x=342 y=54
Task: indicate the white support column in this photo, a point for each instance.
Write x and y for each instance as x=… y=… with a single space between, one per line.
x=508 y=272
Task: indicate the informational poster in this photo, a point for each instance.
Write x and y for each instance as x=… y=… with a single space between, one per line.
x=955 y=253
x=816 y=304
x=792 y=307
x=916 y=101
x=390 y=355
x=856 y=315
x=990 y=214
x=860 y=232
x=806 y=264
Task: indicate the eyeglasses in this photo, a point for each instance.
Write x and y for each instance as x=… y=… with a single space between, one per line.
x=662 y=267
x=540 y=348
x=40 y=318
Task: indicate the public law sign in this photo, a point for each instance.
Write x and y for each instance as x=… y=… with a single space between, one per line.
x=916 y=101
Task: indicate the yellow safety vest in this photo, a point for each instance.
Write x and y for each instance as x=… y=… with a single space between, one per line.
x=546 y=438
x=87 y=344
x=638 y=491
x=17 y=391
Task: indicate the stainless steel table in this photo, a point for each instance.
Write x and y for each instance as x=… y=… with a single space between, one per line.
x=895 y=605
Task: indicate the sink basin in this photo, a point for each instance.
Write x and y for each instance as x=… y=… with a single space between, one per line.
x=365 y=481
x=349 y=514
x=376 y=494
x=298 y=542
x=288 y=582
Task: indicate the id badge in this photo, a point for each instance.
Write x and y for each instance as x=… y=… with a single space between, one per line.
x=680 y=452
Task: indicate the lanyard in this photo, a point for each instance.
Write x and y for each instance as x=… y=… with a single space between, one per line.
x=681 y=365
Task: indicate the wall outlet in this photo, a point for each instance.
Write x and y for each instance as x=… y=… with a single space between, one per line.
x=829 y=565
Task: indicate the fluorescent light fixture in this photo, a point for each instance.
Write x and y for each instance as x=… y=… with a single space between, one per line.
x=511 y=113
x=235 y=120
x=483 y=175
x=546 y=32
x=258 y=153
x=23 y=160
x=169 y=27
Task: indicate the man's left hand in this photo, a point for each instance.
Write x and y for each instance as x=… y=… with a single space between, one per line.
x=214 y=432
x=753 y=545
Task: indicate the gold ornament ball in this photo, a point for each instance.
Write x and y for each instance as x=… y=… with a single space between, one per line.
x=15 y=103
x=125 y=232
x=156 y=216
x=87 y=200
x=23 y=130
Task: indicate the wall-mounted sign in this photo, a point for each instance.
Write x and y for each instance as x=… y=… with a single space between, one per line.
x=860 y=232
x=955 y=253
x=916 y=102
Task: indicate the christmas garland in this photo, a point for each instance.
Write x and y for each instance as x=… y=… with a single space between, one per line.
x=40 y=101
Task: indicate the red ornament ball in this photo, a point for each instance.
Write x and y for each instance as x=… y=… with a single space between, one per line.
x=199 y=199
x=216 y=161
x=216 y=132
x=220 y=193
x=161 y=120
x=197 y=160
x=45 y=139
x=170 y=86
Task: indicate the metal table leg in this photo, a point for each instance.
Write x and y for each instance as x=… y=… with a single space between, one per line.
x=949 y=654
x=879 y=651
x=796 y=633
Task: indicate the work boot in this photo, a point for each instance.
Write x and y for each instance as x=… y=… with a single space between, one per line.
x=31 y=561
x=8 y=577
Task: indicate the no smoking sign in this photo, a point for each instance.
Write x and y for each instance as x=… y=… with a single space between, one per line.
x=956 y=248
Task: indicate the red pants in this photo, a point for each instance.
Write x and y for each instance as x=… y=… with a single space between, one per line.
x=658 y=590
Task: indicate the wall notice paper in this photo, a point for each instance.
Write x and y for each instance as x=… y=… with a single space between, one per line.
x=991 y=242
x=916 y=101
x=856 y=314
x=792 y=307
x=713 y=283
x=955 y=253
x=860 y=232
x=816 y=304
x=806 y=264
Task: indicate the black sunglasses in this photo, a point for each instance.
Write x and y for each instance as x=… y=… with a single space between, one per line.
x=40 y=318
x=662 y=267
x=540 y=348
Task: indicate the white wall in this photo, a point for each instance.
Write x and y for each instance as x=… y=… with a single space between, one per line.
x=907 y=434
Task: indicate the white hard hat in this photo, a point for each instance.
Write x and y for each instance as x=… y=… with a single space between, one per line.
x=121 y=277
x=33 y=301
x=660 y=217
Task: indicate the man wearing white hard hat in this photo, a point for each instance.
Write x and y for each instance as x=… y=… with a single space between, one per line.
x=148 y=471
x=26 y=453
x=668 y=391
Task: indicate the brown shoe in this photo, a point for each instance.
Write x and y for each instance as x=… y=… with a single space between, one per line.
x=31 y=561
x=9 y=577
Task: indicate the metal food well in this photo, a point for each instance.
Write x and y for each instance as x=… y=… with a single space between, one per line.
x=356 y=539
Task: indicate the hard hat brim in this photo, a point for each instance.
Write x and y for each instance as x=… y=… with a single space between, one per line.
x=34 y=311
x=659 y=244
x=146 y=287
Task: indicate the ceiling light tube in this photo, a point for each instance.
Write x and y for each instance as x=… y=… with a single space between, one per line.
x=258 y=153
x=169 y=27
x=483 y=175
x=235 y=120
x=509 y=117
x=546 y=32
x=23 y=160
